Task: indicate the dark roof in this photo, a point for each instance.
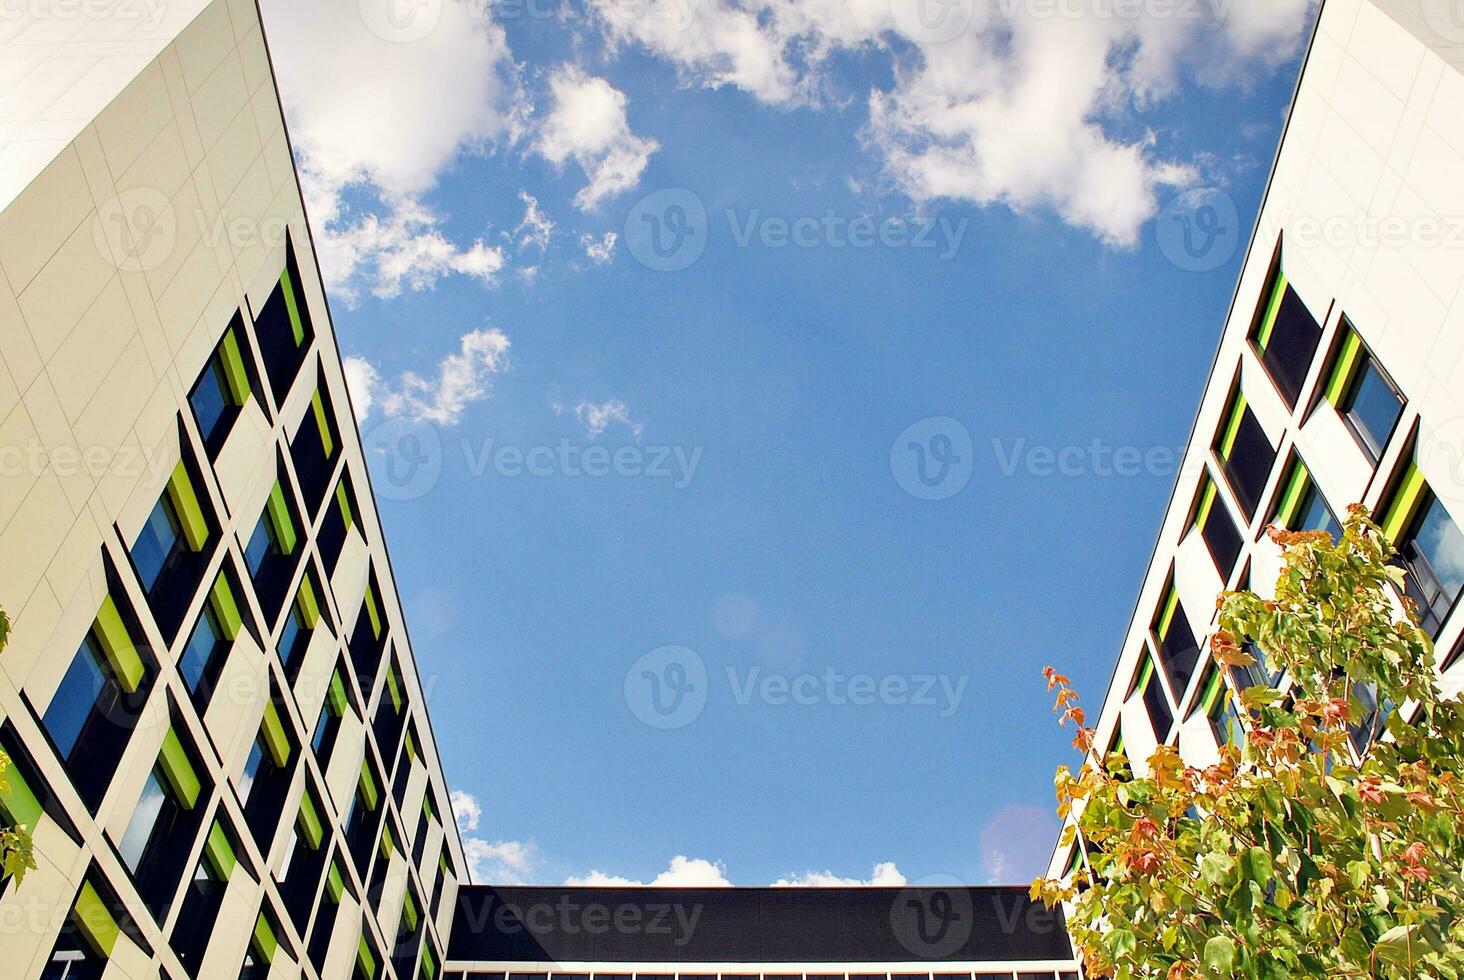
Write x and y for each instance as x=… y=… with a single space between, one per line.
x=753 y=925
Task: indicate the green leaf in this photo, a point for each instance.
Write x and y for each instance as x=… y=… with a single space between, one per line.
x=1219 y=955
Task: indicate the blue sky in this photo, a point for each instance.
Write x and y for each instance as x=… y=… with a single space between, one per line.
x=760 y=394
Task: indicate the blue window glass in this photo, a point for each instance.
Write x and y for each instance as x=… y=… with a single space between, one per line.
x=322 y=730
x=251 y=771
x=198 y=653
x=209 y=401
x=144 y=819
x=1442 y=544
x=259 y=546
x=1317 y=516
x=76 y=698
x=1374 y=408
x=292 y=637
x=155 y=542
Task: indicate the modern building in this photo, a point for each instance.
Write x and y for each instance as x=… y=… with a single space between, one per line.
x=216 y=729
x=1338 y=378
x=215 y=724
x=916 y=933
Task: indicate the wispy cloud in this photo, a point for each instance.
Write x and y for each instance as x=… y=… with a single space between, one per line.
x=682 y=872
x=462 y=378
x=536 y=228
x=587 y=124
x=597 y=418
x=885 y=875
x=502 y=862
x=600 y=250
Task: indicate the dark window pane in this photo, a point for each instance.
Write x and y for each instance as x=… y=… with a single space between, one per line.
x=1179 y=651
x=208 y=401
x=1249 y=464
x=155 y=543
x=1373 y=408
x=258 y=548
x=76 y=698
x=1222 y=538
x=1292 y=345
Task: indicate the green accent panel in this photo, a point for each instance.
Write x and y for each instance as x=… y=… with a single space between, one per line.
x=365 y=960
x=335 y=883
x=309 y=822
x=410 y=913
x=388 y=842
x=1207 y=501
x=185 y=505
x=323 y=424
x=343 y=500
x=370 y=795
x=273 y=730
x=338 y=699
x=178 y=770
x=225 y=608
x=116 y=643
x=309 y=604
x=95 y=921
x=1120 y=745
x=411 y=746
x=427 y=806
x=231 y=358
x=1296 y=487
x=17 y=801
x=394 y=688
x=1213 y=688
x=1345 y=368
x=1146 y=674
x=220 y=852
x=279 y=516
x=429 y=962
x=265 y=943
x=1273 y=307
x=1405 y=503
x=372 y=612
x=1166 y=615
x=292 y=304
x=1232 y=426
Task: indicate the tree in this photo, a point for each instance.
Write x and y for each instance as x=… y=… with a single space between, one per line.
x=16 y=856
x=1329 y=842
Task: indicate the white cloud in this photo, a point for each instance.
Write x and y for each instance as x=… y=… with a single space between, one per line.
x=384 y=120
x=682 y=872
x=463 y=377
x=600 y=250
x=597 y=418
x=1019 y=109
x=536 y=228
x=587 y=124
x=504 y=862
x=885 y=875
x=361 y=380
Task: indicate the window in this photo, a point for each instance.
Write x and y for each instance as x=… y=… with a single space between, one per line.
x=164 y=822
x=1147 y=686
x=1215 y=524
x=299 y=625
x=1285 y=337
x=367 y=958
x=314 y=448
x=92 y=713
x=221 y=390
x=1178 y=650
x=335 y=889
x=156 y=543
x=263 y=944
x=1430 y=549
x=423 y=825
x=1219 y=709
x=365 y=815
x=284 y=329
x=1363 y=393
x=202 y=900
x=329 y=725
x=1245 y=453
x=144 y=819
x=88 y=936
x=301 y=874
x=265 y=781
x=339 y=518
x=1301 y=506
x=272 y=550
x=368 y=638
